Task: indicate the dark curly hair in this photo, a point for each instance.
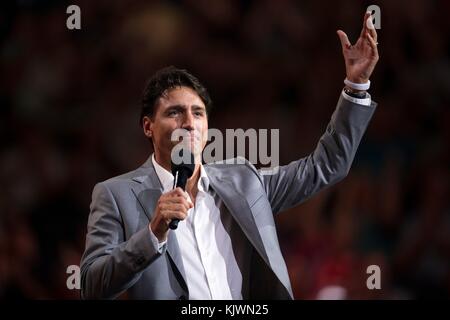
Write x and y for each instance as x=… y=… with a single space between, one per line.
x=168 y=78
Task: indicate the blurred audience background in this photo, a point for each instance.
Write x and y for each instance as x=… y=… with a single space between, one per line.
x=69 y=111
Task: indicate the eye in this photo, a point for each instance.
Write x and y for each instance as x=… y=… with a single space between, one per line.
x=172 y=113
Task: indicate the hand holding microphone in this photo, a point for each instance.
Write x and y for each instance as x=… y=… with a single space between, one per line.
x=182 y=172
x=173 y=205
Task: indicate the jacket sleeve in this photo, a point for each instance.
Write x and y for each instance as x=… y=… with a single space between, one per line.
x=329 y=163
x=110 y=265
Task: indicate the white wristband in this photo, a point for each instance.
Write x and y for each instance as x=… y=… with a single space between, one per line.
x=357 y=86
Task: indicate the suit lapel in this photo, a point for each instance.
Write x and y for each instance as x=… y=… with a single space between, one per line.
x=241 y=212
x=147 y=193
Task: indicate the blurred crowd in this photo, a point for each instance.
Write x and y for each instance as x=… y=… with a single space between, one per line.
x=69 y=118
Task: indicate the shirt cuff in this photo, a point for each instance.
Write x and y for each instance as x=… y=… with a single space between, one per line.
x=365 y=102
x=160 y=246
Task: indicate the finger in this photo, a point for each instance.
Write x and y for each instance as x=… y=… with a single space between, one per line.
x=183 y=202
x=373 y=45
x=371 y=28
x=173 y=214
x=174 y=194
x=178 y=196
x=179 y=207
x=344 y=39
x=367 y=17
x=177 y=192
x=176 y=200
x=169 y=197
x=173 y=207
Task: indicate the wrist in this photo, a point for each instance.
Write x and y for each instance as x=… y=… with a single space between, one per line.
x=357 y=80
x=161 y=236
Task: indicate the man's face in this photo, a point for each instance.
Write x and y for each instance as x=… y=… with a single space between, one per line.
x=178 y=108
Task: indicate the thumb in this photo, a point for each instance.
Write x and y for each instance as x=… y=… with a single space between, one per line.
x=344 y=39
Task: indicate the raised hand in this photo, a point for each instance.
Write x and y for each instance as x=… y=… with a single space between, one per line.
x=360 y=58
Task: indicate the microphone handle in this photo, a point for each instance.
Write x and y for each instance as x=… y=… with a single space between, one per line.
x=173 y=225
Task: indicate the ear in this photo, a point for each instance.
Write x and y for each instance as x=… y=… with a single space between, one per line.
x=147 y=126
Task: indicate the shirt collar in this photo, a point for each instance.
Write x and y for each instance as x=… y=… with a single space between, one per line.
x=166 y=178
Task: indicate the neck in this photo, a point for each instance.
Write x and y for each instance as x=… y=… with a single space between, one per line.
x=163 y=161
x=191 y=184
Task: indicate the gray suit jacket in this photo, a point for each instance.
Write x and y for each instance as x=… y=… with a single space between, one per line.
x=120 y=255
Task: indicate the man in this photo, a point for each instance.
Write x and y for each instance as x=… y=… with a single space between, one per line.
x=226 y=245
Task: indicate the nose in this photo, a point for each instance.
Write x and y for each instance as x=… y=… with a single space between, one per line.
x=188 y=121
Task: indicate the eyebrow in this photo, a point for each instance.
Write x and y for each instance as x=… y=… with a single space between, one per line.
x=183 y=107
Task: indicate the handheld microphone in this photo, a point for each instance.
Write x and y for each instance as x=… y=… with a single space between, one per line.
x=182 y=172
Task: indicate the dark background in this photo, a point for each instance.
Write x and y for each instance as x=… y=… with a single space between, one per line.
x=69 y=109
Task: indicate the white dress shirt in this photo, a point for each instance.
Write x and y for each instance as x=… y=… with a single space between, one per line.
x=211 y=269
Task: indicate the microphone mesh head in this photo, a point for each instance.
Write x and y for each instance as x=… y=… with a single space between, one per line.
x=187 y=165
